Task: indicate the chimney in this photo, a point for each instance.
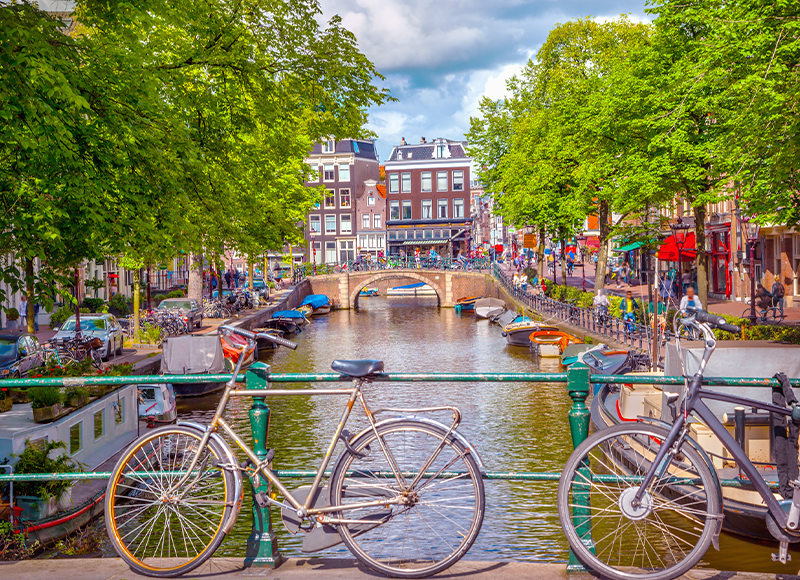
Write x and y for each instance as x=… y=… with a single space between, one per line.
x=422 y=140
x=402 y=140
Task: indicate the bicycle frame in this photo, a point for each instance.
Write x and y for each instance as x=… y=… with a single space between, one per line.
x=693 y=403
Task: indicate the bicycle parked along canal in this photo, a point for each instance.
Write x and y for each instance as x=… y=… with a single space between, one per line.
x=643 y=501
x=405 y=494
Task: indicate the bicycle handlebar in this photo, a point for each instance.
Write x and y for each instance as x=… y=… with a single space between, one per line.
x=255 y=335
x=714 y=320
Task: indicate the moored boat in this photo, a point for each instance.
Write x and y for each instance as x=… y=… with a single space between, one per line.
x=489 y=307
x=368 y=292
x=571 y=352
x=264 y=343
x=290 y=321
x=319 y=303
x=551 y=343
x=418 y=289
x=466 y=303
x=504 y=319
x=518 y=332
x=232 y=346
x=157 y=403
x=193 y=354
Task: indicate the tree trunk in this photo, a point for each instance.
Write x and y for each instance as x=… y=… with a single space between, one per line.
x=147 y=296
x=250 y=271
x=194 y=287
x=563 y=262
x=540 y=255
x=602 y=256
x=700 y=260
x=77 y=303
x=30 y=294
x=136 y=304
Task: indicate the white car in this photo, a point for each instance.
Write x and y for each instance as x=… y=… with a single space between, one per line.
x=103 y=326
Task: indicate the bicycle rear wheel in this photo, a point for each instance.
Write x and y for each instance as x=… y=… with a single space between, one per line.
x=443 y=512
x=659 y=539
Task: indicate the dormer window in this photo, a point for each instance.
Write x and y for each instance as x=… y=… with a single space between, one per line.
x=329 y=146
x=440 y=151
x=409 y=155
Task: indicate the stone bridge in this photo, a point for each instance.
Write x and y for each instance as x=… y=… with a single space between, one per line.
x=343 y=289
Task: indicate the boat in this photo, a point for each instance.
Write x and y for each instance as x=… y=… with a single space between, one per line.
x=157 y=404
x=518 y=332
x=290 y=321
x=466 y=303
x=264 y=343
x=570 y=354
x=287 y=327
x=319 y=303
x=418 y=289
x=551 y=343
x=193 y=354
x=306 y=310
x=602 y=360
x=488 y=307
x=368 y=292
x=504 y=319
x=232 y=345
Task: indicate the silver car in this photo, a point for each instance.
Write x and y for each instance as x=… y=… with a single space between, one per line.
x=186 y=308
x=103 y=326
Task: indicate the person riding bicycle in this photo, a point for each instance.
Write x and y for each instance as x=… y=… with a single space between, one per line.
x=628 y=308
x=601 y=305
x=763 y=297
x=778 y=295
x=690 y=299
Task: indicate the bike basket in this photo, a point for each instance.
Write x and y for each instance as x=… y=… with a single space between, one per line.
x=96 y=343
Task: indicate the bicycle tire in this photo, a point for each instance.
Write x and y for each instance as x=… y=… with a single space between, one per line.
x=127 y=497
x=351 y=482
x=97 y=360
x=622 y=451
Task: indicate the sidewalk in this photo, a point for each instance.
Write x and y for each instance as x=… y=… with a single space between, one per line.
x=322 y=568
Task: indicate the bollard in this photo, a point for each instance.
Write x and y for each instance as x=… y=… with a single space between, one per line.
x=262 y=545
x=578 y=386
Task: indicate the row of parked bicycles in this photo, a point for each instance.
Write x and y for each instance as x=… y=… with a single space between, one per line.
x=231 y=302
x=75 y=349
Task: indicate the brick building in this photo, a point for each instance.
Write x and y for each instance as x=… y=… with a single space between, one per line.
x=371 y=220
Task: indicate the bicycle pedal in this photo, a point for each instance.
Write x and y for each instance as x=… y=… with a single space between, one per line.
x=262 y=499
x=783 y=555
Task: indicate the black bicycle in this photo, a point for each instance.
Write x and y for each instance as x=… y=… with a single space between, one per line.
x=642 y=501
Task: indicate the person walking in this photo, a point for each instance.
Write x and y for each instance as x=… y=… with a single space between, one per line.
x=690 y=299
x=23 y=314
x=228 y=278
x=36 y=317
x=417 y=256
x=236 y=277
x=778 y=295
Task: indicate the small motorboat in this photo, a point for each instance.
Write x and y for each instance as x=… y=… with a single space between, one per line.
x=466 y=303
x=266 y=344
x=290 y=321
x=551 y=343
x=286 y=326
x=157 y=404
x=193 y=354
x=319 y=303
x=232 y=345
x=518 y=332
x=488 y=307
x=570 y=354
x=505 y=319
x=368 y=292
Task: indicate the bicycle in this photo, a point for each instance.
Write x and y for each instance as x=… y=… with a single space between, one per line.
x=769 y=315
x=642 y=500
x=405 y=494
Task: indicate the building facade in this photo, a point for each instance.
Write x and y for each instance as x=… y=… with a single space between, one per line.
x=371 y=219
x=428 y=198
x=342 y=168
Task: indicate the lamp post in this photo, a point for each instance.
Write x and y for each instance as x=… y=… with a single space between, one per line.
x=582 y=245
x=314 y=255
x=751 y=230
x=679 y=226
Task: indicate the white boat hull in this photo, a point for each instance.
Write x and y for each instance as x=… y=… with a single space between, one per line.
x=488 y=311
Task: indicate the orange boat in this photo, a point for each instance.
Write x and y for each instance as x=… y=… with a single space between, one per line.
x=551 y=343
x=232 y=348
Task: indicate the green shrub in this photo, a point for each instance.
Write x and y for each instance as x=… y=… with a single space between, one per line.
x=45 y=396
x=15 y=545
x=36 y=459
x=119 y=303
x=93 y=304
x=12 y=314
x=175 y=294
x=120 y=370
x=76 y=396
x=61 y=315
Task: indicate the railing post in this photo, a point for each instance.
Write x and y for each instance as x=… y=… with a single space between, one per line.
x=262 y=545
x=578 y=386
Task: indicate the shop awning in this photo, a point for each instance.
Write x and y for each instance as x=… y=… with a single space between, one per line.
x=424 y=242
x=628 y=247
x=684 y=246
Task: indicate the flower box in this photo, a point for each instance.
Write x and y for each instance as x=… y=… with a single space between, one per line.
x=48 y=414
x=34 y=508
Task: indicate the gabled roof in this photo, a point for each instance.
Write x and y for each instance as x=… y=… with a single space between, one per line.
x=425 y=151
x=381 y=190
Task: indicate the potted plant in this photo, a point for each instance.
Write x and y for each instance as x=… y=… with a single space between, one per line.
x=12 y=316
x=46 y=403
x=76 y=397
x=40 y=499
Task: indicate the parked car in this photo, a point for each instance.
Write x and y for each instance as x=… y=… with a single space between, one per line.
x=19 y=355
x=103 y=326
x=189 y=309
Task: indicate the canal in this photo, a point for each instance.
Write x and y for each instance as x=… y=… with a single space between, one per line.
x=514 y=426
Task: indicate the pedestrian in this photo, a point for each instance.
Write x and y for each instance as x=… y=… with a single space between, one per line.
x=666 y=290
x=23 y=314
x=36 y=317
x=417 y=257
x=690 y=299
x=686 y=280
x=778 y=295
x=228 y=277
x=236 y=277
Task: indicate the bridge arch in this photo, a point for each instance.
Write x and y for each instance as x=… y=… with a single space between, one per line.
x=429 y=279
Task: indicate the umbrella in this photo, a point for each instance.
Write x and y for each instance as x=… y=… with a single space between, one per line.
x=669 y=249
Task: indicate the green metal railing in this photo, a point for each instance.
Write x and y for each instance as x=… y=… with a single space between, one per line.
x=262 y=548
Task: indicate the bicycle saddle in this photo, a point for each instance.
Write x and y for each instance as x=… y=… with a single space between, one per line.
x=357 y=368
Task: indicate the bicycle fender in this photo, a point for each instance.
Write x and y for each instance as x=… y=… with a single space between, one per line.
x=238 y=486
x=458 y=436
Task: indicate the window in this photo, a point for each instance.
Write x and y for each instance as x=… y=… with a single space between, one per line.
x=394 y=210
x=441 y=181
x=119 y=412
x=379 y=241
x=371 y=242
x=425 y=181
x=362 y=242
x=344 y=172
x=316 y=252
x=364 y=221
x=330 y=199
x=345 y=223
x=329 y=146
x=99 y=424
x=458 y=181
x=327 y=172
x=314 y=225
x=344 y=198
x=330 y=252
x=75 y=439
x=371 y=200
x=346 y=251
x=428 y=234
x=392 y=235
x=440 y=151
x=427 y=206
x=458 y=208
x=315 y=175
x=376 y=221
x=441 y=211
x=406 y=177
x=330 y=224
x=394 y=183
x=406 y=210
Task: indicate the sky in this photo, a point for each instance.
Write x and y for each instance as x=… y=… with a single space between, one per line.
x=440 y=57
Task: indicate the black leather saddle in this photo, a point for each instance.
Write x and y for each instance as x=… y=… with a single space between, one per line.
x=357 y=368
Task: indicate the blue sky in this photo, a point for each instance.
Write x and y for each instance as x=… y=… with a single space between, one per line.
x=440 y=57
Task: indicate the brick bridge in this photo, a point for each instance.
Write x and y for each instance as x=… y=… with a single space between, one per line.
x=343 y=289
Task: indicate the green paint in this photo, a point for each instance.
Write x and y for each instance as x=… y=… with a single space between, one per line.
x=579 y=386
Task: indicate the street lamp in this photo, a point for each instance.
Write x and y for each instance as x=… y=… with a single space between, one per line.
x=314 y=254
x=582 y=245
x=679 y=226
x=751 y=230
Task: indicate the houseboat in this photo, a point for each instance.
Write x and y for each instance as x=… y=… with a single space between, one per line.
x=157 y=405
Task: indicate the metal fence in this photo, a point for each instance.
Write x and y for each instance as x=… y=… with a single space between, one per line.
x=392 y=263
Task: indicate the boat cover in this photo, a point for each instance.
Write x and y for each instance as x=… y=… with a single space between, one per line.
x=288 y=314
x=192 y=354
x=316 y=300
x=506 y=318
x=493 y=302
x=418 y=285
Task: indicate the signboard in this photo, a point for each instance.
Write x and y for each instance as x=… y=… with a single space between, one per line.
x=529 y=240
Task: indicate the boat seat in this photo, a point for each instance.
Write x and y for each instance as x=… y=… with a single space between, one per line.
x=357 y=368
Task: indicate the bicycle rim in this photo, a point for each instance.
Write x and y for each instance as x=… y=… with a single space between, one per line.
x=440 y=523
x=159 y=535
x=662 y=538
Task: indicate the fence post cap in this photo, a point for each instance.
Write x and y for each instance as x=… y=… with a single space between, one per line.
x=257 y=376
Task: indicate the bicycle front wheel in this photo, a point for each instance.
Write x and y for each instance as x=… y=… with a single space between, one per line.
x=157 y=531
x=660 y=538
x=438 y=518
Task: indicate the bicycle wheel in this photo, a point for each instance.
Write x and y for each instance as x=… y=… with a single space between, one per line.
x=97 y=360
x=661 y=538
x=167 y=535
x=443 y=512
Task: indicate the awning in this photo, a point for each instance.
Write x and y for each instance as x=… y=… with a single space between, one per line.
x=628 y=247
x=683 y=245
x=424 y=242
x=592 y=242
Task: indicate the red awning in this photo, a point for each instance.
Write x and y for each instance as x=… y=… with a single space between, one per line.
x=684 y=243
x=592 y=242
x=498 y=248
x=113 y=275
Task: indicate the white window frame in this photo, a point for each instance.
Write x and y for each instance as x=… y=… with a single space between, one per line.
x=458 y=203
x=458 y=180
x=405 y=182
x=439 y=175
x=330 y=216
x=376 y=221
x=392 y=205
x=439 y=206
x=371 y=200
x=422 y=178
x=346 y=218
x=406 y=204
x=325 y=172
x=330 y=247
x=394 y=183
x=315 y=218
x=342 y=192
x=329 y=146
x=346 y=167
x=379 y=241
x=331 y=194
x=427 y=204
x=365 y=221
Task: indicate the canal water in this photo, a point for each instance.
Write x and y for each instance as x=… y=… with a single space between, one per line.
x=514 y=426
